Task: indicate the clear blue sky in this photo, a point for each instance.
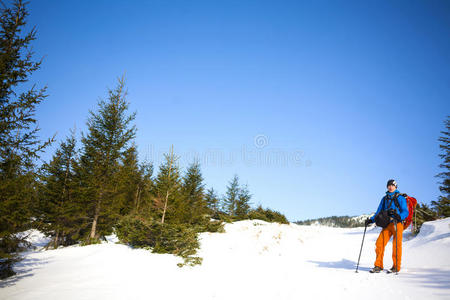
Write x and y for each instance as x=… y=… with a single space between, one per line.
x=314 y=104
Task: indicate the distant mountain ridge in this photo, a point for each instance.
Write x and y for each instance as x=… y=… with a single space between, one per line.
x=337 y=221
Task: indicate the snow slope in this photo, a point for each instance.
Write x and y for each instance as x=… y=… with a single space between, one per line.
x=252 y=260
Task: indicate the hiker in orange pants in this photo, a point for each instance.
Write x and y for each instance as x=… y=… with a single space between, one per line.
x=383 y=239
x=390 y=214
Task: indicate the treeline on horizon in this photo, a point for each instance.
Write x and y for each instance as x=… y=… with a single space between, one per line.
x=334 y=221
x=96 y=186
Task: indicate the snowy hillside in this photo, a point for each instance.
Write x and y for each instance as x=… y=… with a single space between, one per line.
x=252 y=260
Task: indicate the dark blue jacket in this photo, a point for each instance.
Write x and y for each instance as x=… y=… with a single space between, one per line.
x=402 y=210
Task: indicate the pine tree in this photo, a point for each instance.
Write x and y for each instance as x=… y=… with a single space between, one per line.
x=19 y=143
x=442 y=206
x=167 y=189
x=192 y=205
x=212 y=202
x=144 y=187
x=109 y=133
x=243 y=202
x=129 y=178
x=134 y=182
x=232 y=196
x=59 y=212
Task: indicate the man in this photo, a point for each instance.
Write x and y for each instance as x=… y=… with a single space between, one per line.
x=393 y=215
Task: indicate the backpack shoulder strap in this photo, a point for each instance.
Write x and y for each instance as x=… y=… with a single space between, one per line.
x=396 y=199
x=387 y=202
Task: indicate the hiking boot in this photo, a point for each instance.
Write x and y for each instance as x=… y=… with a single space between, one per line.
x=393 y=270
x=376 y=269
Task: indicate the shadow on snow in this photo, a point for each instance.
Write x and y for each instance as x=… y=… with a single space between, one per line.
x=426 y=277
x=23 y=268
x=429 y=278
x=342 y=264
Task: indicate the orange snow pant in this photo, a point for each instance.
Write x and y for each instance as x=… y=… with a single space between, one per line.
x=383 y=239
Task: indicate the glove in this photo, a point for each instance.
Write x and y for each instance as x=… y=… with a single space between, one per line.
x=393 y=213
x=368 y=221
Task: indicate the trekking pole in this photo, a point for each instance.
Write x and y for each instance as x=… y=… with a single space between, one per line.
x=357 y=265
x=396 y=248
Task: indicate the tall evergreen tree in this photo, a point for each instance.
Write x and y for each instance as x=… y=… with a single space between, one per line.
x=193 y=204
x=442 y=206
x=109 y=133
x=19 y=144
x=167 y=189
x=59 y=211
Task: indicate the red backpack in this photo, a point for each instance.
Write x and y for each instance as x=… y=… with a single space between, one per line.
x=411 y=202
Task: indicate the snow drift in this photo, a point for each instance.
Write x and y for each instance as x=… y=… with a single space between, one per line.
x=251 y=260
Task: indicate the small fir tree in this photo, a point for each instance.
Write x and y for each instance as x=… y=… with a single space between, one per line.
x=212 y=202
x=134 y=180
x=167 y=187
x=59 y=212
x=193 y=206
x=232 y=196
x=243 y=202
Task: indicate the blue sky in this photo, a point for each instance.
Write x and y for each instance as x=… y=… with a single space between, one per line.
x=314 y=104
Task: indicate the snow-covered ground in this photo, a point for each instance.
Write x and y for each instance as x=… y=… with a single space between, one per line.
x=252 y=260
